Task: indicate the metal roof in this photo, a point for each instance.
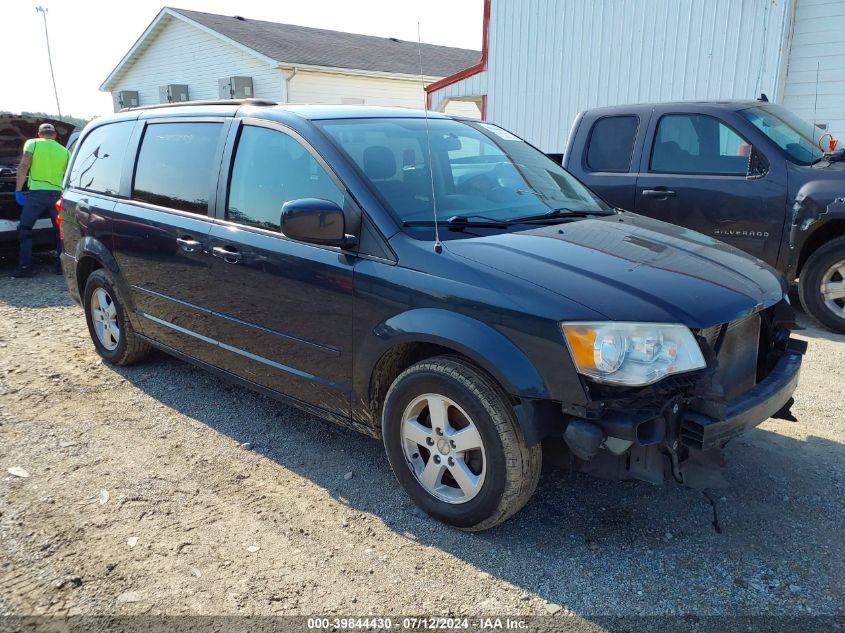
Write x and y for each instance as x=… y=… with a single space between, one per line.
x=291 y=44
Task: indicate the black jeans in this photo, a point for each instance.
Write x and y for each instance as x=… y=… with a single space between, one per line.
x=39 y=204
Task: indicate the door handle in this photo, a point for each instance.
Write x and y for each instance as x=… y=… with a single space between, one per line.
x=227 y=254
x=187 y=244
x=659 y=193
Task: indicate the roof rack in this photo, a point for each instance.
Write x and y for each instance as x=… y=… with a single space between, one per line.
x=205 y=102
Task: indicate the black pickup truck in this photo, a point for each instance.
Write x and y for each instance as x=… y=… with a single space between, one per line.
x=749 y=173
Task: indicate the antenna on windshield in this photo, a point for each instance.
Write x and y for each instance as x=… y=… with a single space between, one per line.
x=438 y=246
x=816 y=107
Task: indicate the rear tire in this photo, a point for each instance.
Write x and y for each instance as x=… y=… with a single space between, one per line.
x=824 y=272
x=108 y=321
x=480 y=441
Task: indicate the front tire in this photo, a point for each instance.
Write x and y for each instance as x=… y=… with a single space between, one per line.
x=822 y=285
x=108 y=322
x=454 y=444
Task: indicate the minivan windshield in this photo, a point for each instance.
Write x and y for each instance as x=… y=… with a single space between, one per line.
x=480 y=171
x=797 y=137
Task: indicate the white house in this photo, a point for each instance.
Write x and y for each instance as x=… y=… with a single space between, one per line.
x=543 y=61
x=186 y=55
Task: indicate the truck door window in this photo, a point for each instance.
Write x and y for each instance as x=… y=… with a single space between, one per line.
x=272 y=168
x=698 y=144
x=612 y=143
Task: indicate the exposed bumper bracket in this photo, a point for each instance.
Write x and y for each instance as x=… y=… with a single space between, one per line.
x=702 y=432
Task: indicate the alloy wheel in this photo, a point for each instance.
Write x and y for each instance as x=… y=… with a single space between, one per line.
x=104 y=317
x=833 y=289
x=443 y=448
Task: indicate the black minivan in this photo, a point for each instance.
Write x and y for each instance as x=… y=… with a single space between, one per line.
x=432 y=281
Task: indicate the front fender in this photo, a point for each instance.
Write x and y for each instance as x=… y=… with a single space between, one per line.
x=810 y=217
x=817 y=203
x=479 y=342
x=482 y=344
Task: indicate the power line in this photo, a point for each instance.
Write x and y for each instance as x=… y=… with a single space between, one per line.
x=43 y=13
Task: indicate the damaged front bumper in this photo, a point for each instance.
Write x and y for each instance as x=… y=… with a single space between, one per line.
x=767 y=399
x=752 y=372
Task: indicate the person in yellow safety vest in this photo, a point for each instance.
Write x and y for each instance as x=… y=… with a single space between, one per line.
x=42 y=168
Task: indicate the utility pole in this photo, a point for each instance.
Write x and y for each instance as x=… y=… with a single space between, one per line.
x=43 y=13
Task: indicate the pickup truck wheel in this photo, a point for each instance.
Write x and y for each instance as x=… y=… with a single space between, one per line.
x=454 y=444
x=108 y=322
x=822 y=285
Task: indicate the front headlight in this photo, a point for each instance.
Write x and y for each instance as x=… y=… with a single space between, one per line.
x=631 y=354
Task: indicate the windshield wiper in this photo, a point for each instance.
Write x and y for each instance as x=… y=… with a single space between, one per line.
x=458 y=222
x=562 y=212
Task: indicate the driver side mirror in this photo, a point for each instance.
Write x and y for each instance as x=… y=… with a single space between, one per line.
x=758 y=166
x=316 y=221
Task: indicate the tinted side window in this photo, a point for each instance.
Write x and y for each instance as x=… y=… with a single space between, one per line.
x=698 y=144
x=271 y=168
x=99 y=162
x=176 y=165
x=612 y=143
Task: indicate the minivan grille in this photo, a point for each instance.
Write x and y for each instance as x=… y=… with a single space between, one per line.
x=737 y=355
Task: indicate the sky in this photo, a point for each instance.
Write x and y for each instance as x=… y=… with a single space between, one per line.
x=89 y=37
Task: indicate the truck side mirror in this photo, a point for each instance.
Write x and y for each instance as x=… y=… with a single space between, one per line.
x=758 y=166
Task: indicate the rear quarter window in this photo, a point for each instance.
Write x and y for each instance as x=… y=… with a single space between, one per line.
x=99 y=161
x=611 y=144
x=176 y=165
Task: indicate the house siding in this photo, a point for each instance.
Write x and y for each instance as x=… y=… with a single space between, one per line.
x=468 y=109
x=330 y=88
x=472 y=86
x=548 y=60
x=570 y=56
x=817 y=47
x=181 y=53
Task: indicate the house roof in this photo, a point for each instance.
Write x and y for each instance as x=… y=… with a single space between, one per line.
x=289 y=45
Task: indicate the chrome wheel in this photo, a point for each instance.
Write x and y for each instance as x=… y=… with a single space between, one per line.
x=443 y=448
x=833 y=289
x=104 y=318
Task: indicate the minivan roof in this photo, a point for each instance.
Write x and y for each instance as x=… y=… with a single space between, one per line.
x=357 y=112
x=261 y=107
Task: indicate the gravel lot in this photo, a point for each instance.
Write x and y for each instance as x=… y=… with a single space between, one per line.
x=159 y=489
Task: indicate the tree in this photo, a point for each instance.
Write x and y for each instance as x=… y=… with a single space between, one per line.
x=78 y=122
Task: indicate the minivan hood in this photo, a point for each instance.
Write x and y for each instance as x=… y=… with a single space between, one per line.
x=632 y=268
